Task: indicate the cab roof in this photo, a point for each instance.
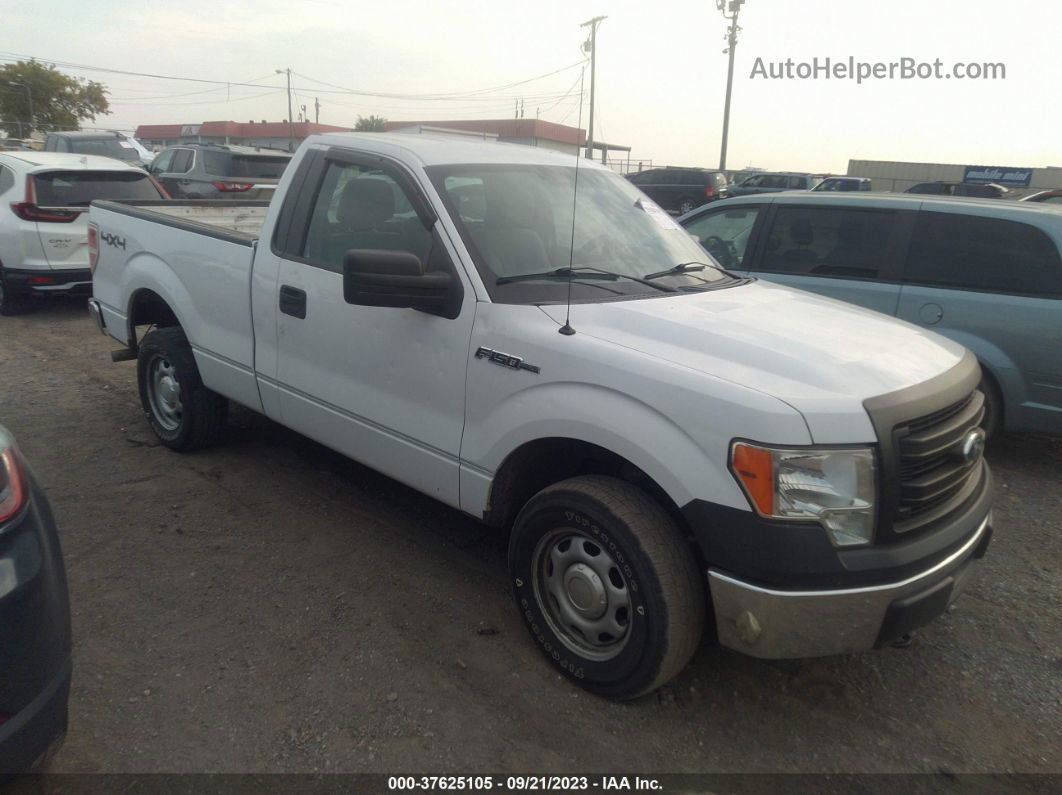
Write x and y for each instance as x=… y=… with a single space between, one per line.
x=433 y=150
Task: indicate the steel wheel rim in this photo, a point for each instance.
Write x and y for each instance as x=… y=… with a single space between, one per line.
x=686 y=207
x=582 y=594
x=164 y=391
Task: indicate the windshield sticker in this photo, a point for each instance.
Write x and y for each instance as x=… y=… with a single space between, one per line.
x=652 y=209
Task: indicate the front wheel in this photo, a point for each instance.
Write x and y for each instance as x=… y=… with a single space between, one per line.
x=607 y=585
x=183 y=413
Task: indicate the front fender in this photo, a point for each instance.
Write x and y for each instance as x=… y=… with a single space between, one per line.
x=617 y=422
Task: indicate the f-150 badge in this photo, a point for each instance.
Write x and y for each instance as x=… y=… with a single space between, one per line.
x=505 y=360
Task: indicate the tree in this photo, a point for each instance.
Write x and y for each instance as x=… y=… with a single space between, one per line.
x=371 y=124
x=58 y=101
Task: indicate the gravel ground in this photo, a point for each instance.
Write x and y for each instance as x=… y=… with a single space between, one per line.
x=270 y=606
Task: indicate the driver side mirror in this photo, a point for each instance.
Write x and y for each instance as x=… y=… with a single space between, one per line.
x=375 y=277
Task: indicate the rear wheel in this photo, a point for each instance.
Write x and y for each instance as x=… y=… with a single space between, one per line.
x=686 y=206
x=607 y=585
x=183 y=413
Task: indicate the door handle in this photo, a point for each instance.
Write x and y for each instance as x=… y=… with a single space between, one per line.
x=293 y=301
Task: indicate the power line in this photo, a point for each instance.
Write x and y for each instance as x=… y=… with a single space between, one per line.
x=10 y=56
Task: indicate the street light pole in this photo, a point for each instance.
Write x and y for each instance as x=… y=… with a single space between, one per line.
x=29 y=97
x=291 y=123
x=593 y=23
x=734 y=7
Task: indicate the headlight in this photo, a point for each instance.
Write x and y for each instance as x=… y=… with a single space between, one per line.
x=834 y=487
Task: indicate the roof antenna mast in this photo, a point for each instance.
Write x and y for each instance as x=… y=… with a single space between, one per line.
x=567 y=329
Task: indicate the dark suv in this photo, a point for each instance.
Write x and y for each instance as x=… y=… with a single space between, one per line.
x=219 y=171
x=680 y=190
x=34 y=621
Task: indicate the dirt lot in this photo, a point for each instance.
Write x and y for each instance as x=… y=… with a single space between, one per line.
x=271 y=606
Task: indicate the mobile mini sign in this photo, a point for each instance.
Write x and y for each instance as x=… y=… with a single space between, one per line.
x=1010 y=177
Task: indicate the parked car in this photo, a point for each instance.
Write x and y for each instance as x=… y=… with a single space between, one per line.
x=1044 y=197
x=44 y=199
x=34 y=620
x=969 y=189
x=842 y=185
x=774 y=183
x=673 y=428
x=679 y=190
x=99 y=142
x=219 y=171
x=986 y=274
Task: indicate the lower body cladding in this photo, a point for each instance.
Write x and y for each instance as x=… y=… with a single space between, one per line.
x=776 y=624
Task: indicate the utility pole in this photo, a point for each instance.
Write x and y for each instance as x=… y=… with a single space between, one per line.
x=593 y=23
x=29 y=97
x=316 y=111
x=291 y=123
x=733 y=7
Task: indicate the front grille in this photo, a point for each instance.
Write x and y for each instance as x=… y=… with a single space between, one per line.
x=933 y=477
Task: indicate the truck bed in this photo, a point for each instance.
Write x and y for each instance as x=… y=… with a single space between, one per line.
x=242 y=218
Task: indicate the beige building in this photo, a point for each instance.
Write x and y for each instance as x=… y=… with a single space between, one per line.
x=890 y=175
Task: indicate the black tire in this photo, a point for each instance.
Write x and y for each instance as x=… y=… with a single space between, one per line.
x=655 y=564
x=687 y=205
x=993 y=418
x=11 y=303
x=183 y=413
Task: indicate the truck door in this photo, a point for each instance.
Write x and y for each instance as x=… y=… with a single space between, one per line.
x=384 y=386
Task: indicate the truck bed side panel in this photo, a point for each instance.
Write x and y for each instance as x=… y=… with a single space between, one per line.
x=202 y=274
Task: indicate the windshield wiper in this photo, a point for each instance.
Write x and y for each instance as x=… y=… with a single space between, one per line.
x=682 y=267
x=581 y=272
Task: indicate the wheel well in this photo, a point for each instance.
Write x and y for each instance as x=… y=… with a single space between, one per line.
x=147 y=308
x=543 y=462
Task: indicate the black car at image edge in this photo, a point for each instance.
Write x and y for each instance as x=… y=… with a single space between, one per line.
x=35 y=646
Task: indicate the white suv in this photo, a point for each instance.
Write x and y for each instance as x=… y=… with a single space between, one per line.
x=44 y=201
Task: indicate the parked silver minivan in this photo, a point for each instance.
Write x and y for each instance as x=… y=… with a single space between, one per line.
x=982 y=272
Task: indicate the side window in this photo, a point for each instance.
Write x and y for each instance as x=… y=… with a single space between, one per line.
x=182 y=161
x=821 y=241
x=162 y=163
x=798 y=182
x=62 y=145
x=977 y=253
x=752 y=182
x=7 y=180
x=1053 y=200
x=725 y=233
x=359 y=207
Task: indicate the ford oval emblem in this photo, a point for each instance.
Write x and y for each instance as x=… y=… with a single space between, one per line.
x=972 y=446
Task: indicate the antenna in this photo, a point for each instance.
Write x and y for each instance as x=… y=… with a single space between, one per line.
x=567 y=329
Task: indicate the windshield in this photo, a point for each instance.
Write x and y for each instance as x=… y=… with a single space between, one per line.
x=516 y=221
x=78 y=188
x=107 y=147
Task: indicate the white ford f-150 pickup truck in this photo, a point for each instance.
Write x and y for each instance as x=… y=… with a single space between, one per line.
x=670 y=445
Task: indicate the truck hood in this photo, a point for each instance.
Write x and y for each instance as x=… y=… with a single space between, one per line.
x=823 y=357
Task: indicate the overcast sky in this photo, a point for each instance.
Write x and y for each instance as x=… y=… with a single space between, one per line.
x=660 y=78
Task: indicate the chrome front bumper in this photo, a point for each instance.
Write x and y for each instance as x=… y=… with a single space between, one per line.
x=97 y=315
x=777 y=624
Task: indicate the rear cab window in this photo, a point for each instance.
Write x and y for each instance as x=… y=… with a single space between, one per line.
x=79 y=188
x=107 y=147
